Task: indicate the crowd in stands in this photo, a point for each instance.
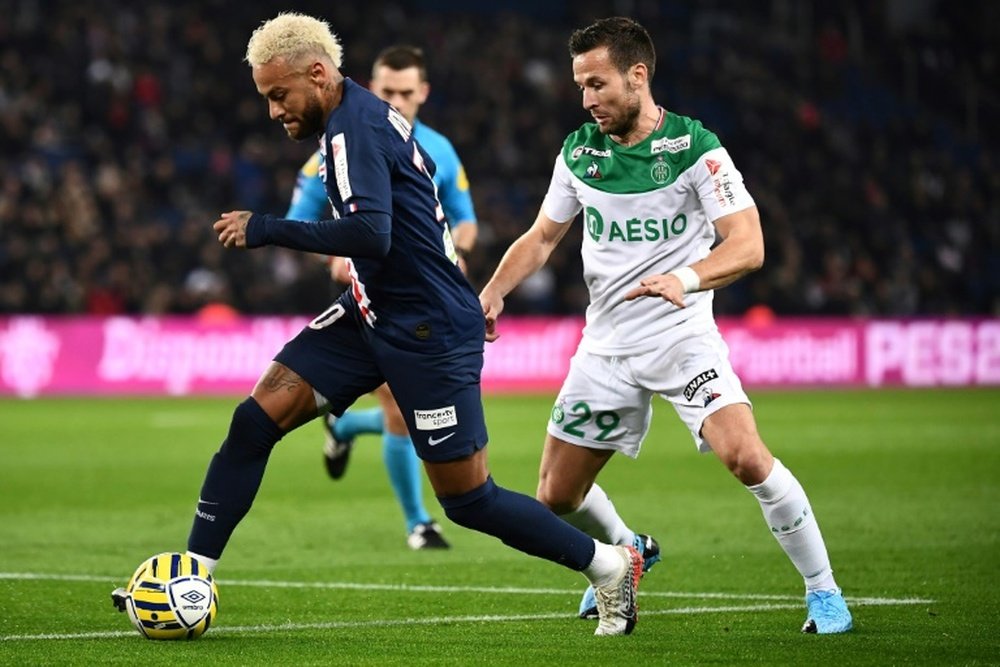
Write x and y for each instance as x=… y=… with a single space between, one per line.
x=865 y=131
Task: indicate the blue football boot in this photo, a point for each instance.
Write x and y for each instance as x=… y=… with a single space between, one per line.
x=828 y=613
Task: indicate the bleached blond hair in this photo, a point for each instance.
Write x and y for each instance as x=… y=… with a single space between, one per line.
x=292 y=36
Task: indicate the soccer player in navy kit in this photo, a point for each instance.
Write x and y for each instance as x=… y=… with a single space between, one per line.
x=409 y=318
x=399 y=76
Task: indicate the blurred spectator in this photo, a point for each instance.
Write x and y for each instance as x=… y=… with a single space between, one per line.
x=862 y=129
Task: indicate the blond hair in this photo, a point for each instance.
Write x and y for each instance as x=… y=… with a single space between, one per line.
x=292 y=36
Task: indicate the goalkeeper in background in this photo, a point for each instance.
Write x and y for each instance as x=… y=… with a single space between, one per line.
x=399 y=76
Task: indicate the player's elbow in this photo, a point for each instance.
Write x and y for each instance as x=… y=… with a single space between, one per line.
x=380 y=245
x=374 y=235
x=754 y=258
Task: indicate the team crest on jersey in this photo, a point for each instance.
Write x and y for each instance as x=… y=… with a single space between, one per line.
x=660 y=171
x=594 y=171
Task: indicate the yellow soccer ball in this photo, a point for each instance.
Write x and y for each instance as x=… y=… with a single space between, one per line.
x=170 y=596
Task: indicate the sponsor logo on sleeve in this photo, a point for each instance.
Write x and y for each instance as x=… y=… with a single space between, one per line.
x=339 y=146
x=432 y=420
x=722 y=183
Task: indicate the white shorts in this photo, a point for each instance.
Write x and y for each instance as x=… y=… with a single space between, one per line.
x=606 y=402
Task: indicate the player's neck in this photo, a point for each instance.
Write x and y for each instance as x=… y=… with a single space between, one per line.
x=650 y=118
x=333 y=93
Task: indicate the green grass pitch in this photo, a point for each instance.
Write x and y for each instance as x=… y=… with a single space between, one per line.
x=904 y=483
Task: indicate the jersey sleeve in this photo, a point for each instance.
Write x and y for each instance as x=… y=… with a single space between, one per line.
x=362 y=166
x=561 y=203
x=719 y=184
x=309 y=202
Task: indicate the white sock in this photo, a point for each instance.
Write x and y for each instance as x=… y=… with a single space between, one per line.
x=790 y=518
x=208 y=563
x=597 y=517
x=606 y=566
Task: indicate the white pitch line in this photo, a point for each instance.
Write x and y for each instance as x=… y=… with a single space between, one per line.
x=385 y=623
x=294 y=627
x=408 y=588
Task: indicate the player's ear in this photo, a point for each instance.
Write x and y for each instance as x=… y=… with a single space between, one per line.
x=638 y=74
x=425 y=91
x=318 y=72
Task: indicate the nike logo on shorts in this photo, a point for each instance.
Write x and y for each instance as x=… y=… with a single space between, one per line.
x=437 y=441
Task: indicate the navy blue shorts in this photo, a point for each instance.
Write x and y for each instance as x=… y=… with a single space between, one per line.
x=438 y=394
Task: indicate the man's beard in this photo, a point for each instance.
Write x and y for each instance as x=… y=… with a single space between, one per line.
x=312 y=118
x=629 y=118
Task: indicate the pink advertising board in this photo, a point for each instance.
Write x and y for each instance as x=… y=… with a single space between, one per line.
x=114 y=356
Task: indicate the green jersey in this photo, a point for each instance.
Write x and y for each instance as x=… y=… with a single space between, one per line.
x=648 y=209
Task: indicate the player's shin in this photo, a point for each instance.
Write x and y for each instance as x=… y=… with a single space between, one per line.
x=790 y=519
x=520 y=522
x=598 y=517
x=233 y=478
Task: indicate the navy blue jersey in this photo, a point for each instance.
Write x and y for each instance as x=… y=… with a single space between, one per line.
x=414 y=296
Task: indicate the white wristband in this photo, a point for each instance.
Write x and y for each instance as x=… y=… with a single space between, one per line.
x=688 y=277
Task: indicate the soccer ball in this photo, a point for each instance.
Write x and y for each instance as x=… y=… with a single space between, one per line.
x=170 y=596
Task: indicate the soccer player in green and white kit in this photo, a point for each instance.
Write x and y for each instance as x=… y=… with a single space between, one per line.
x=654 y=188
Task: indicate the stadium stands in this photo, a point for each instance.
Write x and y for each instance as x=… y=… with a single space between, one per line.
x=863 y=130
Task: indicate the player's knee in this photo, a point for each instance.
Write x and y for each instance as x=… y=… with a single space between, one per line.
x=471 y=510
x=749 y=460
x=557 y=497
x=251 y=432
x=393 y=419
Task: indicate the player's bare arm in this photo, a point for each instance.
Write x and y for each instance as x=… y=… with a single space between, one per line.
x=525 y=256
x=464 y=236
x=740 y=252
x=232 y=228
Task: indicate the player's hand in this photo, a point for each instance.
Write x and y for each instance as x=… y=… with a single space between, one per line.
x=664 y=285
x=339 y=271
x=232 y=228
x=492 y=307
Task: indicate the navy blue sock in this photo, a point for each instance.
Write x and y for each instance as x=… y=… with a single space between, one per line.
x=521 y=522
x=233 y=477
